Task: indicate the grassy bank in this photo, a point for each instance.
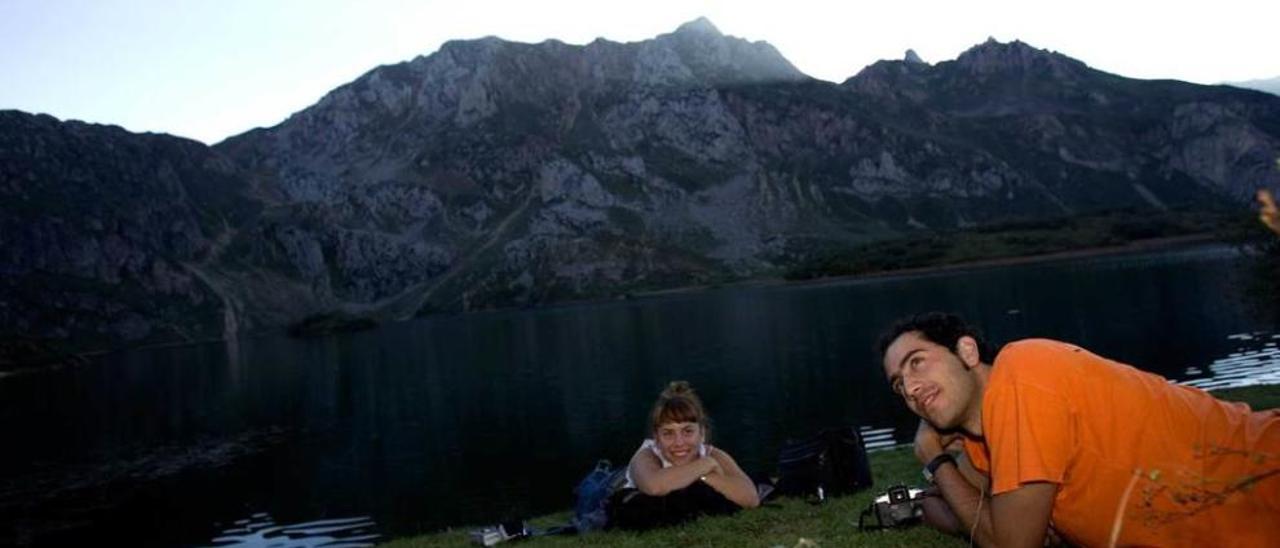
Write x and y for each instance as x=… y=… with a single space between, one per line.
x=1024 y=238
x=786 y=522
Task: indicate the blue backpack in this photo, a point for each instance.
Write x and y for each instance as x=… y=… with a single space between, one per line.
x=589 y=513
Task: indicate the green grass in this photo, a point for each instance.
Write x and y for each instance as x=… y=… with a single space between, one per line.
x=1258 y=397
x=1009 y=239
x=785 y=522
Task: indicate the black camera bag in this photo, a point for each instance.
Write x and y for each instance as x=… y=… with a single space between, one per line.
x=834 y=460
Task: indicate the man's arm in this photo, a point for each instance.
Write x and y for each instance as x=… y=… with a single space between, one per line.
x=1021 y=516
x=1018 y=518
x=937 y=513
x=969 y=505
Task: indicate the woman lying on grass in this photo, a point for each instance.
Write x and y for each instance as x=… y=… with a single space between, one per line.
x=677 y=476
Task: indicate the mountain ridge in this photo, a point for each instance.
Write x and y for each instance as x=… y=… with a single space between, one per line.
x=494 y=173
x=1266 y=85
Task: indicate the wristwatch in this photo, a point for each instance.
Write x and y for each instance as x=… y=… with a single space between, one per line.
x=932 y=468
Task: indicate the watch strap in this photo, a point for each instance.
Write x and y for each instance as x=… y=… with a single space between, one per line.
x=932 y=468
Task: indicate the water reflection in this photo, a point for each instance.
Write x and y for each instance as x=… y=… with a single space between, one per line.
x=260 y=531
x=1255 y=361
x=876 y=439
x=465 y=420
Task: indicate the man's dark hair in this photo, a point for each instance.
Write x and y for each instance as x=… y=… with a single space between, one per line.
x=940 y=328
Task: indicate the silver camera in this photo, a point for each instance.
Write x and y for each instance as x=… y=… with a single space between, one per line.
x=899 y=507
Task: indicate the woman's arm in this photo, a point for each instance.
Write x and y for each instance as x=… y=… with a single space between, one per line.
x=731 y=481
x=652 y=479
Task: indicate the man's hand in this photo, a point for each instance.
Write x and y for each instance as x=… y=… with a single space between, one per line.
x=1269 y=213
x=930 y=443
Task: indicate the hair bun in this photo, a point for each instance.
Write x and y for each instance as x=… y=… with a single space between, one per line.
x=678 y=388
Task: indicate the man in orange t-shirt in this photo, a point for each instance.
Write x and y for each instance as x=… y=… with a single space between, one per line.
x=1101 y=452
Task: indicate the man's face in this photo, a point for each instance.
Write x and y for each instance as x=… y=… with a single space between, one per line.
x=936 y=383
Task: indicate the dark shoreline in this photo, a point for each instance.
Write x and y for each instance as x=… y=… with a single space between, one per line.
x=1134 y=247
x=1129 y=248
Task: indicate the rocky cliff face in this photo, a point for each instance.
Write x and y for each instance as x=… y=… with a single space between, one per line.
x=99 y=229
x=493 y=173
x=1084 y=134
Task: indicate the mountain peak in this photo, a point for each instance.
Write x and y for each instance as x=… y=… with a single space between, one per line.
x=992 y=46
x=995 y=56
x=912 y=57
x=715 y=58
x=701 y=25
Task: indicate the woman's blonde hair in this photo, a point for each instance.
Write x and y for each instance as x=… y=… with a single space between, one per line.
x=679 y=403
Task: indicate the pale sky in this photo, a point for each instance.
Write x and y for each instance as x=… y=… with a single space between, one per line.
x=211 y=69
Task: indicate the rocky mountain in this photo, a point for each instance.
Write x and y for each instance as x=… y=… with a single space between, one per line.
x=99 y=229
x=1089 y=138
x=493 y=173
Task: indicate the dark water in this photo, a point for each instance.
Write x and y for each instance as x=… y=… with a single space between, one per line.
x=471 y=419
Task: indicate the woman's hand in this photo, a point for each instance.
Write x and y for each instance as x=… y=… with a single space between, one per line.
x=710 y=465
x=726 y=477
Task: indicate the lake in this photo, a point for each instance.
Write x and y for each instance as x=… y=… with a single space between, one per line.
x=471 y=419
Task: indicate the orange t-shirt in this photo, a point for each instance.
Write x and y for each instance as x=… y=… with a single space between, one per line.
x=1204 y=472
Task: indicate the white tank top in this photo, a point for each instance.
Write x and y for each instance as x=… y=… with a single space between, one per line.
x=650 y=445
